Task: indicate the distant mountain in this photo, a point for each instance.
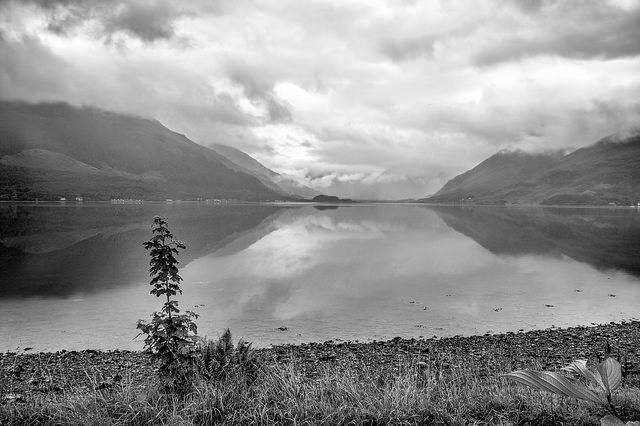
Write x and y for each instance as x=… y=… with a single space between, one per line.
x=605 y=172
x=51 y=150
x=279 y=183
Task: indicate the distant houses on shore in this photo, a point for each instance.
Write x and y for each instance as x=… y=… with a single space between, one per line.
x=172 y=201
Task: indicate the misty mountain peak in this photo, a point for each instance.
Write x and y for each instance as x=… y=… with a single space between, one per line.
x=629 y=135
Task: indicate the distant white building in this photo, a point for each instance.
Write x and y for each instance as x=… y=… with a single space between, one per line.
x=79 y=199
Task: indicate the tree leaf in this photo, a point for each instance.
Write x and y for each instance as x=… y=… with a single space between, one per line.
x=555 y=383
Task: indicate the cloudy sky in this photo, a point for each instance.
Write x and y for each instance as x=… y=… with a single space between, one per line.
x=355 y=98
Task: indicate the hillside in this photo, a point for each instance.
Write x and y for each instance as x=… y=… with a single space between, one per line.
x=496 y=175
x=51 y=150
x=605 y=172
x=276 y=181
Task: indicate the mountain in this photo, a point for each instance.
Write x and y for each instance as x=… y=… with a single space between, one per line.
x=608 y=171
x=496 y=175
x=50 y=150
x=279 y=183
x=605 y=172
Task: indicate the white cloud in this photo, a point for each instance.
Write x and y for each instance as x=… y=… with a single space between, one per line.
x=357 y=98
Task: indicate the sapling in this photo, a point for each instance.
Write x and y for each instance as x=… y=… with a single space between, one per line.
x=170 y=335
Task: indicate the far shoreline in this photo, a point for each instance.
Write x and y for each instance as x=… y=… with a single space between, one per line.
x=302 y=203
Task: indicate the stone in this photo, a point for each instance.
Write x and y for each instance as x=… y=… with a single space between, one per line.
x=12 y=398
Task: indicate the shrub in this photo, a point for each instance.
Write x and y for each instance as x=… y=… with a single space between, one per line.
x=170 y=335
x=220 y=359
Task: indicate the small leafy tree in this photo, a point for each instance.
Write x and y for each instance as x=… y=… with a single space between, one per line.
x=171 y=335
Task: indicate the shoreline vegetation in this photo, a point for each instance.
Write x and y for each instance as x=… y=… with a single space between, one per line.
x=454 y=380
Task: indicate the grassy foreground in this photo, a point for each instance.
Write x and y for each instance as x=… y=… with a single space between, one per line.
x=354 y=395
x=448 y=381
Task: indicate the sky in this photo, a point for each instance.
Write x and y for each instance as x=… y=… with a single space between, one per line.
x=364 y=99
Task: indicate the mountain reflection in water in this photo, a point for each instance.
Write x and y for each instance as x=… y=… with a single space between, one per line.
x=75 y=277
x=604 y=238
x=58 y=251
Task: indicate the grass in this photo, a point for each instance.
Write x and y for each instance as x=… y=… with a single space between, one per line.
x=346 y=394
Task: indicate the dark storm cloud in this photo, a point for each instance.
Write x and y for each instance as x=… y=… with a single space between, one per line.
x=30 y=71
x=277 y=111
x=147 y=20
x=26 y=67
x=581 y=29
x=593 y=31
x=257 y=85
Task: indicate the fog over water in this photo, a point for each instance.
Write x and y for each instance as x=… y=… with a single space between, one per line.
x=76 y=277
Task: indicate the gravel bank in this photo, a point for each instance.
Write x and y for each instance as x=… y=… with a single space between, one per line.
x=552 y=348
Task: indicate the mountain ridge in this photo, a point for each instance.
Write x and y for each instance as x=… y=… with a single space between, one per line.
x=276 y=181
x=608 y=171
x=51 y=150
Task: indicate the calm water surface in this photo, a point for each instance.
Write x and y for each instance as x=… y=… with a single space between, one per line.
x=75 y=277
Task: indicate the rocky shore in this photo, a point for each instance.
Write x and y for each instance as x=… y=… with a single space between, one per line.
x=24 y=374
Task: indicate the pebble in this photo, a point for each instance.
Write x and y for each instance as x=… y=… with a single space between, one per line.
x=24 y=374
x=13 y=398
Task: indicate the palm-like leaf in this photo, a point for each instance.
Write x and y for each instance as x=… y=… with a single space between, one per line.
x=610 y=420
x=611 y=374
x=579 y=367
x=607 y=375
x=555 y=383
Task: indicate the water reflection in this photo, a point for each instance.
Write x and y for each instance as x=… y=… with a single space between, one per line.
x=608 y=239
x=51 y=250
x=364 y=272
x=398 y=270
